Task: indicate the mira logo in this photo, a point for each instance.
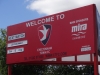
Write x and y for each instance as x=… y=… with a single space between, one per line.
x=79 y=31
x=79 y=27
x=44 y=32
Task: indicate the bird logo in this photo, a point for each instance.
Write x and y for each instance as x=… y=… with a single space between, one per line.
x=44 y=32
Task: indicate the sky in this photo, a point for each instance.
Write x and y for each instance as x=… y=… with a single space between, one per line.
x=17 y=11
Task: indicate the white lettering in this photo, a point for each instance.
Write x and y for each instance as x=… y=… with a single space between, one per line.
x=57 y=17
x=86 y=49
x=15 y=50
x=81 y=20
x=43 y=49
x=62 y=16
x=52 y=18
x=79 y=27
x=28 y=24
x=48 y=19
x=17 y=43
x=17 y=36
x=72 y=22
x=39 y=21
x=43 y=20
x=33 y=23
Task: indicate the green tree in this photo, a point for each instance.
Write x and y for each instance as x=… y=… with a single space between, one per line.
x=3 y=66
x=66 y=70
x=28 y=69
x=69 y=70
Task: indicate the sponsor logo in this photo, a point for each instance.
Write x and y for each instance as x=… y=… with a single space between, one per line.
x=44 y=32
x=86 y=48
x=79 y=31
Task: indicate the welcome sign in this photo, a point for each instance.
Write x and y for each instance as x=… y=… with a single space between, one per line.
x=63 y=34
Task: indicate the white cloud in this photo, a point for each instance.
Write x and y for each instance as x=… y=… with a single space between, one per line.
x=55 y=6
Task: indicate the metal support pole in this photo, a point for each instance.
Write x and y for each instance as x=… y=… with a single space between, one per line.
x=59 y=59
x=9 y=69
x=96 y=64
x=75 y=58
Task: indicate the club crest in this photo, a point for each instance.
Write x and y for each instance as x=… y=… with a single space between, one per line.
x=44 y=32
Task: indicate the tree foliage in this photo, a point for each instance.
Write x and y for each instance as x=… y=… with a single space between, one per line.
x=68 y=70
x=28 y=69
x=3 y=66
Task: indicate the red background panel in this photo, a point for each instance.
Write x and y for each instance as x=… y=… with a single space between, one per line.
x=61 y=40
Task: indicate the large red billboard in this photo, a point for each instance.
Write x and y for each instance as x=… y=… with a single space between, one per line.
x=67 y=33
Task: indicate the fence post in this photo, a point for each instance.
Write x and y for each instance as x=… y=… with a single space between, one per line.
x=96 y=63
x=9 y=69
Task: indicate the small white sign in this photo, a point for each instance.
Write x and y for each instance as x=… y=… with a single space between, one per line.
x=15 y=50
x=17 y=36
x=86 y=48
x=52 y=59
x=17 y=43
